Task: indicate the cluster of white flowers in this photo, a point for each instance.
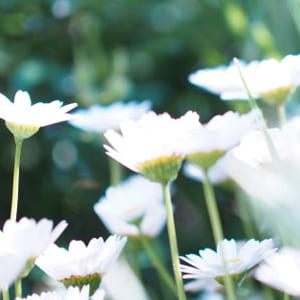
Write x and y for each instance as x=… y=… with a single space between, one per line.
x=264 y=163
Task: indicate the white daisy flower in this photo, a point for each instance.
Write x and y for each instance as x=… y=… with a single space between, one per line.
x=99 y=118
x=72 y=293
x=24 y=119
x=134 y=205
x=31 y=238
x=206 y=143
x=117 y=288
x=11 y=265
x=281 y=271
x=152 y=145
x=269 y=79
x=209 y=264
x=81 y=264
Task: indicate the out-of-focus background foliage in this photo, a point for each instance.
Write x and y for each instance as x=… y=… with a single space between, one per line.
x=90 y=51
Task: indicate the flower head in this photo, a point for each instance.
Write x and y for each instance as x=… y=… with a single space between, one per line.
x=269 y=79
x=72 y=293
x=152 y=146
x=31 y=238
x=24 y=119
x=135 y=206
x=99 y=118
x=281 y=271
x=205 y=144
x=11 y=265
x=239 y=259
x=81 y=264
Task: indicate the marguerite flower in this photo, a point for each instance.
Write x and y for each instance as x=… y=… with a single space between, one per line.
x=99 y=118
x=281 y=271
x=205 y=144
x=270 y=79
x=29 y=238
x=11 y=265
x=152 y=146
x=209 y=264
x=24 y=119
x=134 y=206
x=72 y=293
x=81 y=264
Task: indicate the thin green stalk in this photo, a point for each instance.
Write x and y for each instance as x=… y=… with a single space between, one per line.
x=246 y=221
x=281 y=114
x=217 y=231
x=5 y=294
x=18 y=288
x=259 y=115
x=164 y=274
x=294 y=6
x=15 y=187
x=286 y=296
x=173 y=241
x=115 y=172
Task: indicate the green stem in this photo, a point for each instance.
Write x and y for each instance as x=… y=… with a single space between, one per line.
x=164 y=274
x=18 y=288
x=15 y=187
x=173 y=241
x=5 y=294
x=281 y=114
x=259 y=115
x=216 y=225
x=245 y=216
x=286 y=296
x=115 y=172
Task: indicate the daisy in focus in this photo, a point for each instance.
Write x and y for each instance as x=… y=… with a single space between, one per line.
x=72 y=293
x=153 y=145
x=239 y=259
x=24 y=119
x=82 y=264
x=271 y=80
x=281 y=271
x=99 y=118
x=133 y=207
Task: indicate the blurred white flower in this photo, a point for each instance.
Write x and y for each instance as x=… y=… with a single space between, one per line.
x=121 y=283
x=11 y=265
x=269 y=79
x=281 y=271
x=206 y=284
x=80 y=260
x=216 y=173
x=261 y=173
x=152 y=145
x=24 y=119
x=134 y=205
x=31 y=238
x=206 y=143
x=99 y=118
x=209 y=264
x=211 y=296
x=72 y=293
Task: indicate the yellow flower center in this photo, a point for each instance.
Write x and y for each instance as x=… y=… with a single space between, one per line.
x=278 y=96
x=161 y=169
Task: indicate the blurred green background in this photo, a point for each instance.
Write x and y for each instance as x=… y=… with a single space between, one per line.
x=93 y=51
